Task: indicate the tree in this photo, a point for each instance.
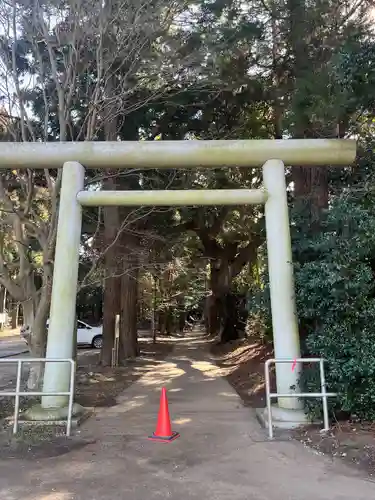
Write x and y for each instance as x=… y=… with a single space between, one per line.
x=332 y=242
x=336 y=298
x=228 y=238
x=58 y=61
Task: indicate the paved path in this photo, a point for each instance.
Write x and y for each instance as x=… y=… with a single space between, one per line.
x=11 y=346
x=222 y=453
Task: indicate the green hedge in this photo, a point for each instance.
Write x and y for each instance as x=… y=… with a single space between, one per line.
x=335 y=289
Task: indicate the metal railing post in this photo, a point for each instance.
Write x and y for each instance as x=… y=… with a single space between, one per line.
x=71 y=391
x=17 y=393
x=323 y=394
x=17 y=397
x=268 y=398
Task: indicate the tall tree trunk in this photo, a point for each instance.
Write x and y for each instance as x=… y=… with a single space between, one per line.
x=28 y=309
x=111 y=302
x=213 y=314
x=218 y=287
x=181 y=320
x=276 y=73
x=129 y=348
x=169 y=326
x=14 y=315
x=162 y=321
x=35 y=317
x=230 y=321
x=38 y=350
x=3 y=294
x=311 y=190
x=212 y=305
x=111 y=305
x=153 y=309
x=2 y=298
x=310 y=183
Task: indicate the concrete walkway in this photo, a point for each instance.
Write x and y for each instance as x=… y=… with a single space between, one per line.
x=12 y=346
x=222 y=453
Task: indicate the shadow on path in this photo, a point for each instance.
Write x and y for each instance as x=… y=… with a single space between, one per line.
x=222 y=453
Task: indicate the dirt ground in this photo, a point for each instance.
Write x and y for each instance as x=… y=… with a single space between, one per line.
x=96 y=387
x=8 y=332
x=242 y=364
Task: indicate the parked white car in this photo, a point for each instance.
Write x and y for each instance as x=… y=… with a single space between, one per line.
x=89 y=335
x=86 y=334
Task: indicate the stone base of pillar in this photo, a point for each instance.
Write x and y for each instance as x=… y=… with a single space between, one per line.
x=37 y=417
x=40 y=414
x=283 y=418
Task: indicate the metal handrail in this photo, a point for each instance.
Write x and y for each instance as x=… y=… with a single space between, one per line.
x=17 y=393
x=323 y=394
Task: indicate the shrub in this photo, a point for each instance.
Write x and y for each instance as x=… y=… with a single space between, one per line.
x=336 y=303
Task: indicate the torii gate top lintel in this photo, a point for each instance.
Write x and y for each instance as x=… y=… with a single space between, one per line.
x=178 y=154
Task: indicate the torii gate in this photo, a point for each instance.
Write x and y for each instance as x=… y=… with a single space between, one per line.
x=271 y=155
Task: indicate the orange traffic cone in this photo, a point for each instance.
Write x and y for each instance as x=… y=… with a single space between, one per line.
x=163 y=431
